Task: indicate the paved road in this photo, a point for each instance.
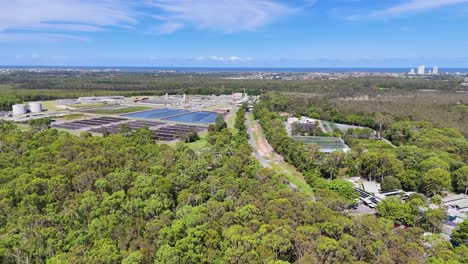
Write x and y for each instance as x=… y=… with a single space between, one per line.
x=253 y=144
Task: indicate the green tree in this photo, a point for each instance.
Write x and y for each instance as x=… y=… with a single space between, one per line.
x=134 y=257
x=432 y=220
x=461 y=179
x=40 y=124
x=344 y=188
x=433 y=163
x=395 y=209
x=460 y=233
x=125 y=129
x=377 y=165
x=191 y=136
x=435 y=181
x=410 y=180
x=219 y=124
x=332 y=163
x=103 y=251
x=390 y=183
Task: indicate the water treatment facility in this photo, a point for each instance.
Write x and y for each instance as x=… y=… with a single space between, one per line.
x=169 y=117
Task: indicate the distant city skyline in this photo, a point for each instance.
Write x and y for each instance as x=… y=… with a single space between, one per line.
x=235 y=33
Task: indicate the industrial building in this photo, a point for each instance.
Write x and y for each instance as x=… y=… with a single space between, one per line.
x=35 y=107
x=22 y=109
x=19 y=109
x=458 y=201
x=101 y=99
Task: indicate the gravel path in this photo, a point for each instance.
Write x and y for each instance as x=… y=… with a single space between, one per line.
x=253 y=144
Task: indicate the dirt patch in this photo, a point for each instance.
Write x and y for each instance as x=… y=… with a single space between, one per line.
x=264 y=149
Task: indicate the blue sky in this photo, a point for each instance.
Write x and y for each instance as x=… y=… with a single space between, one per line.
x=234 y=33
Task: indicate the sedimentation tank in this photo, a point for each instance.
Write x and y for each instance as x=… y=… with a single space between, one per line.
x=35 y=107
x=19 y=109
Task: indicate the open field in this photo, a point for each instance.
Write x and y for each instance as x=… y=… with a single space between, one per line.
x=119 y=111
x=231 y=117
x=87 y=105
x=71 y=117
x=52 y=105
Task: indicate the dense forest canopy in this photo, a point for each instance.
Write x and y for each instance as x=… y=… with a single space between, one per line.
x=124 y=198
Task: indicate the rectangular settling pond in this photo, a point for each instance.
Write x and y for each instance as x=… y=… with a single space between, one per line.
x=195 y=117
x=326 y=144
x=177 y=115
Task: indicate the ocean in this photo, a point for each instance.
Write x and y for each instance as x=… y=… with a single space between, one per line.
x=236 y=69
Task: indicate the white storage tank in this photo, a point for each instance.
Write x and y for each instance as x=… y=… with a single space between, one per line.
x=19 y=109
x=35 y=107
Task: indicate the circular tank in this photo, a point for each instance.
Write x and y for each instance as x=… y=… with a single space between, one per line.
x=19 y=109
x=35 y=107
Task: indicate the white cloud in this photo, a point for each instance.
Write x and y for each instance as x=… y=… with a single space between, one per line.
x=229 y=59
x=408 y=7
x=79 y=15
x=220 y=15
x=167 y=28
x=42 y=18
x=38 y=37
x=24 y=20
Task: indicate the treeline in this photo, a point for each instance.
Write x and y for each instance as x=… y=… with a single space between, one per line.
x=205 y=83
x=6 y=102
x=315 y=107
x=443 y=109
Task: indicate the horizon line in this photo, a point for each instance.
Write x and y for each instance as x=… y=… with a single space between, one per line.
x=236 y=67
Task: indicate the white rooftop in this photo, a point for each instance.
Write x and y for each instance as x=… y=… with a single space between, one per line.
x=460 y=201
x=372 y=187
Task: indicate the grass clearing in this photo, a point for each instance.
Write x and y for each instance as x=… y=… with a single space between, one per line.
x=200 y=144
x=51 y=105
x=119 y=111
x=368 y=144
x=88 y=105
x=292 y=175
x=23 y=127
x=231 y=117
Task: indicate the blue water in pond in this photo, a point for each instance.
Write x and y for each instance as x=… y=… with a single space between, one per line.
x=195 y=117
x=158 y=113
x=178 y=115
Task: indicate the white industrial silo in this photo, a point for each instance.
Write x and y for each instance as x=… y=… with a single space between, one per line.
x=35 y=107
x=19 y=109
